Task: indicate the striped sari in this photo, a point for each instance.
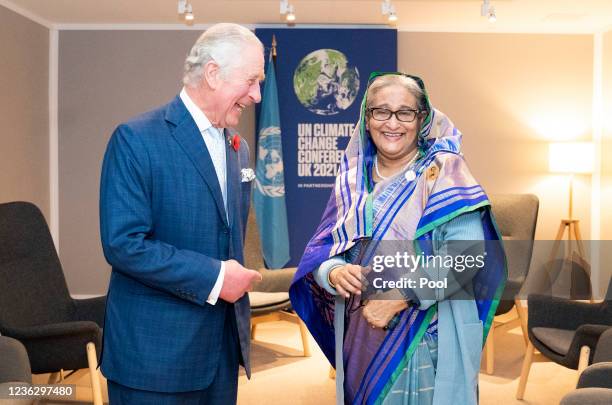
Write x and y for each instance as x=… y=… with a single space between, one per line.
x=399 y=209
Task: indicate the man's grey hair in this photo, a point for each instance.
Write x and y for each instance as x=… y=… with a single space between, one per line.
x=222 y=43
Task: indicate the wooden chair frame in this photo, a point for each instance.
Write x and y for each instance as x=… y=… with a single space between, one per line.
x=283 y=316
x=91 y=394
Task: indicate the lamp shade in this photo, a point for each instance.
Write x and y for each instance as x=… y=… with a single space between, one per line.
x=571 y=157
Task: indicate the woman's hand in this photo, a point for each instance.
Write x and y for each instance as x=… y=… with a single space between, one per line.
x=379 y=313
x=346 y=279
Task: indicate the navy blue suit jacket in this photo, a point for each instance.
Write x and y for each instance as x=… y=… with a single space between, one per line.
x=165 y=231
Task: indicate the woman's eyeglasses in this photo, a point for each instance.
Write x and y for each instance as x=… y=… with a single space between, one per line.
x=383 y=114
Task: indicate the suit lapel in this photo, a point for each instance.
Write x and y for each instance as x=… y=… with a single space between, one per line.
x=189 y=137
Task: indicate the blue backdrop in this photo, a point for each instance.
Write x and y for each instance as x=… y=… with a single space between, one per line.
x=321 y=76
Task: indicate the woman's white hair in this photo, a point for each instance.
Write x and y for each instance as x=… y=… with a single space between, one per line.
x=397 y=79
x=222 y=43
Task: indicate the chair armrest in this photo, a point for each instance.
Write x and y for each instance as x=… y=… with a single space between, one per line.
x=275 y=280
x=554 y=312
x=58 y=346
x=54 y=330
x=588 y=331
x=91 y=309
x=586 y=335
x=585 y=396
x=598 y=375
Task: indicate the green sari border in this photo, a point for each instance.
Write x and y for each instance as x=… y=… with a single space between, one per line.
x=494 y=304
x=429 y=227
x=413 y=345
x=369 y=217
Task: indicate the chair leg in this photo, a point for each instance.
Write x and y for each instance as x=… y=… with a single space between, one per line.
x=92 y=360
x=53 y=378
x=490 y=350
x=253 y=329
x=522 y=314
x=583 y=362
x=332 y=373
x=305 y=341
x=520 y=392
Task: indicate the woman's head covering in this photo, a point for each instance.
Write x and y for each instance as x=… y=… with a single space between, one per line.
x=354 y=187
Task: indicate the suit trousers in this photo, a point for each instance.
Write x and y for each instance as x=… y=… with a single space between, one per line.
x=222 y=391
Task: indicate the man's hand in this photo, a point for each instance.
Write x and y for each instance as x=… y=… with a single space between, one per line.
x=237 y=281
x=346 y=279
x=379 y=313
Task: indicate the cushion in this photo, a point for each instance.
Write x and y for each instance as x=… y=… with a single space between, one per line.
x=557 y=340
x=263 y=299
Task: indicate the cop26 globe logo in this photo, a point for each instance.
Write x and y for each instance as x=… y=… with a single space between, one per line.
x=324 y=82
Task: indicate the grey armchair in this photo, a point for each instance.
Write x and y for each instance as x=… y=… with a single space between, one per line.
x=595 y=382
x=564 y=331
x=58 y=332
x=516 y=216
x=14 y=369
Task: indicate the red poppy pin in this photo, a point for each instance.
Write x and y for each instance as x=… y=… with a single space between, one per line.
x=236 y=142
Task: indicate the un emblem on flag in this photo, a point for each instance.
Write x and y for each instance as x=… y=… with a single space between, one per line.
x=270 y=179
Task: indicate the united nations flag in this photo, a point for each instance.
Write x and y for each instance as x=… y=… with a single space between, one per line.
x=269 y=193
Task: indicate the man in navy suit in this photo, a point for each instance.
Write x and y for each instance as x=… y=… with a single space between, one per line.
x=174 y=200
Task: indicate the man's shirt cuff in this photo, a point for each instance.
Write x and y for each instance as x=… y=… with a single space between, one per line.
x=216 y=290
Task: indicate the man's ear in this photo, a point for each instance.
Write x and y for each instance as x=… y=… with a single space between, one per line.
x=212 y=74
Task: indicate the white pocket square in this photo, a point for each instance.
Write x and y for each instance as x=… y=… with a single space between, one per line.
x=247 y=175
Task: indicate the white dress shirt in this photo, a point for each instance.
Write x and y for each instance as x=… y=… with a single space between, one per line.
x=215 y=143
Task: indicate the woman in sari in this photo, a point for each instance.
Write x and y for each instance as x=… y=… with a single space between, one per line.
x=402 y=179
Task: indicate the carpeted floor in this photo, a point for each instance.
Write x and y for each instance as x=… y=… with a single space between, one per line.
x=281 y=375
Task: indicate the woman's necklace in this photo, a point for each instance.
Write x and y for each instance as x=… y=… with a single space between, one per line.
x=409 y=178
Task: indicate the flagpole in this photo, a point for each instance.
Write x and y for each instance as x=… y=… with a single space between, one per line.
x=273 y=52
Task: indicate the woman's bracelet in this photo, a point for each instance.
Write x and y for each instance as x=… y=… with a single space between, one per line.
x=331 y=284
